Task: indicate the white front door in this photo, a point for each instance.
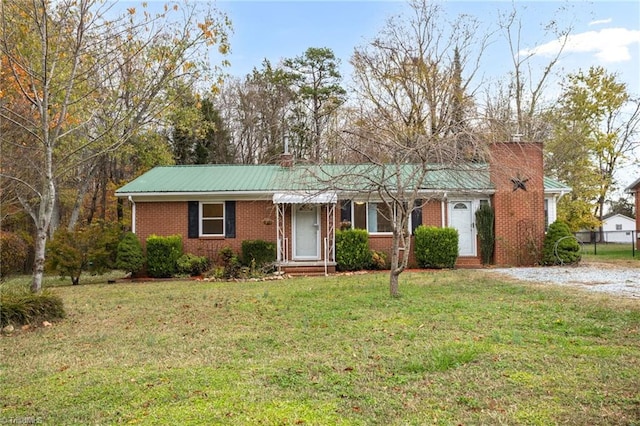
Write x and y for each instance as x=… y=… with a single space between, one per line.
x=460 y=218
x=306 y=230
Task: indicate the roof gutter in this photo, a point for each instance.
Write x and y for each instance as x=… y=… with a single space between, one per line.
x=191 y=194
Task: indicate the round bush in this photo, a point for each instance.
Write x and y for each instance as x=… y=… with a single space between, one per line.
x=560 y=246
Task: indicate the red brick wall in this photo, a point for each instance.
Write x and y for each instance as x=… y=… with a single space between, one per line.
x=254 y=220
x=432 y=213
x=519 y=214
x=161 y=219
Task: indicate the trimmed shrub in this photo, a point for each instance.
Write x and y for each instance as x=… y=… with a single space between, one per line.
x=190 y=264
x=258 y=253
x=436 y=247
x=130 y=257
x=13 y=252
x=162 y=255
x=91 y=249
x=24 y=307
x=352 y=250
x=485 y=224
x=560 y=246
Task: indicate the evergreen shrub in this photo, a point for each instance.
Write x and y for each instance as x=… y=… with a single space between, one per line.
x=352 y=250
x=560 y=246
x=130 y=257
x=436 y=247
x=162 y=255
x=192 y=265
x=485 y=225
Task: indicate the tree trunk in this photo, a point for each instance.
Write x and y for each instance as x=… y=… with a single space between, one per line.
x=77 y=206
x=397 y=266
x=38 y=263
x=394 y=290
x=55 y=216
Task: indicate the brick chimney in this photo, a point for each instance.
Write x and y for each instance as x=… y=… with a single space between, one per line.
x=286 y=160
x=516 y=171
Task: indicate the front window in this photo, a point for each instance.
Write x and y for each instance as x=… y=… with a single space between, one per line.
x=374 y=217
x=212 y=222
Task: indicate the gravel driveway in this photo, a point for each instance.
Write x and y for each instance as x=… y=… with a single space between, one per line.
x=603 y=278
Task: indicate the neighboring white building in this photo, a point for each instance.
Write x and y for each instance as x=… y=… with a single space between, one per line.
x=618 y=228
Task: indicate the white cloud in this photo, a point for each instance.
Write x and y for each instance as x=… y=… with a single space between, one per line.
x=608 y=45
x=600 y=22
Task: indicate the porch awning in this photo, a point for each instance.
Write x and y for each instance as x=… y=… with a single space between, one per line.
x=305 y=198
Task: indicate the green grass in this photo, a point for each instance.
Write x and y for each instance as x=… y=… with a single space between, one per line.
x=609 y=251
x=456 y=348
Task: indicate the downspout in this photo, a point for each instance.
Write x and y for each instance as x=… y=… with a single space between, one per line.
x=443 y=210
x=133 y=214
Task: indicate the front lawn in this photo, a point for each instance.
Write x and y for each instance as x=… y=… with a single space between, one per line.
x=457 y=348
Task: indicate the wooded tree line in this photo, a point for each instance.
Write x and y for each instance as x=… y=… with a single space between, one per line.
x=92 y=97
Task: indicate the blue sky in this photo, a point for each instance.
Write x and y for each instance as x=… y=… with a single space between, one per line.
x=605 y=33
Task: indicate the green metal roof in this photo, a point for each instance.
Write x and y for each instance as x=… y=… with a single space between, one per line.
x=272 y=178
x=204 y=178
x=551 y=185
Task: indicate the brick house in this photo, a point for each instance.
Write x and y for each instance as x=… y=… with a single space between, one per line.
x=299 y=208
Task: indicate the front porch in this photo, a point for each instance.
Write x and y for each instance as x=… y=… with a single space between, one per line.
x=305 y=226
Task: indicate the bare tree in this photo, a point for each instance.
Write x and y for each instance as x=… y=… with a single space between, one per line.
x=405 y=129
x=257 y=111
x=515 y=106
x=75 y=97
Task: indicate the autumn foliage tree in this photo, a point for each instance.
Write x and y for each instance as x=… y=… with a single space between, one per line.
x=595 y=128
x=79 y=82
x=89 y=249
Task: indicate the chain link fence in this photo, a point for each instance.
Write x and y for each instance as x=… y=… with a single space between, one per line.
x=609 y=242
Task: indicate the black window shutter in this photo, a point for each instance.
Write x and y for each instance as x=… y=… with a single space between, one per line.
x=345 y=211
x=194 y=220
x=230 y=219
x=416 y=215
